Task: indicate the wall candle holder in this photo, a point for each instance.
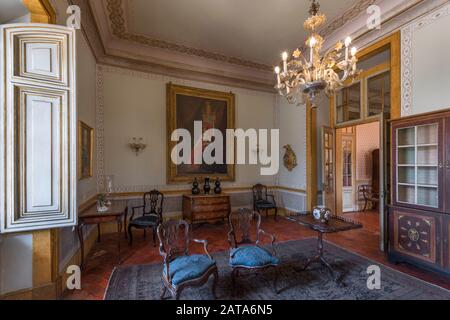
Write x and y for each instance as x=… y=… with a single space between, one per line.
x=137 y=145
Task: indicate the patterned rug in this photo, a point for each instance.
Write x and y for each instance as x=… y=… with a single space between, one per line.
x=143 y=282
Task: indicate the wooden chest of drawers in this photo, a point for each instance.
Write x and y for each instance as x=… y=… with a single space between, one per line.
x=202 y=208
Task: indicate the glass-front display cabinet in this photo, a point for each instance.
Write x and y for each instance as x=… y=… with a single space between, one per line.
x=419 y=215
x=418 y=165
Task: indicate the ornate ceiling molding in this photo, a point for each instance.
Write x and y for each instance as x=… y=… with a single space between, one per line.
x=348 y=16
x=117 y=19
x=109 y=49
x=119 y=29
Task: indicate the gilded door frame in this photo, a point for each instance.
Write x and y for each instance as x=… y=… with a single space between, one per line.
x=329 y=194
x=41 y=11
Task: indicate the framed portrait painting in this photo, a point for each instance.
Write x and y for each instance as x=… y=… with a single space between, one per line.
x=186 y=108
x=85 y=151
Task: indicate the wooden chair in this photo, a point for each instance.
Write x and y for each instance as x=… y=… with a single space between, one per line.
x=181 y=269
x=262 y=201
x=366 y=193
x=152 y=209
x=246 y=254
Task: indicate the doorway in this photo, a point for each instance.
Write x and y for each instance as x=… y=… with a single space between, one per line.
x=357 y=168
x=370 y=97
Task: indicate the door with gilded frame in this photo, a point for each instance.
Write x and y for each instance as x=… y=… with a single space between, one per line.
x=328 y=168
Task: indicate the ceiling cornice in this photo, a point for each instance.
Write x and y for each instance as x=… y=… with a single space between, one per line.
x=114 y=46
x=118 y=25
x=89 y=28
x=119 y=29
x=360 y=7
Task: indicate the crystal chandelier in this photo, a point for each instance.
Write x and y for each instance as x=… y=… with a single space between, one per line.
x=302 y=80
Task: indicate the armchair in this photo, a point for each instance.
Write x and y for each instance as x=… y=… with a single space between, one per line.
x=152 y=214
x=262 y=201
x=181 y=269
x=367 y=194
x=246 y=254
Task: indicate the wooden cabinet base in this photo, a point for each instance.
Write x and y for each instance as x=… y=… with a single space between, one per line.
x=206 y=208
x=416 y=238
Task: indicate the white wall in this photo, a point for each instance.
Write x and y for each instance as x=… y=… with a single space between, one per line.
x=426 y=63
x=293 y=131
x=292 y=124
x=16 y=262
x=134 y=105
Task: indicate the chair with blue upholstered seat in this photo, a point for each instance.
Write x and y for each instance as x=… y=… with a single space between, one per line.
x=181 y=269
x=246 y=254
x=151 y=214
x=263 y=201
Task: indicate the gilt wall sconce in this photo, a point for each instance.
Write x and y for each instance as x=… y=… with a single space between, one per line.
x=137 y=145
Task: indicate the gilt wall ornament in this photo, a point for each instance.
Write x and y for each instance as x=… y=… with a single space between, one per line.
x=290 y=158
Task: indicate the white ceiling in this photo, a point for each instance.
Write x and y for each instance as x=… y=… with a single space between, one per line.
x=11 y=9
x=255 y=30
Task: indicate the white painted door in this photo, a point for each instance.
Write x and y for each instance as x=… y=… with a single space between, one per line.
x=348 y=188
x=37 y=127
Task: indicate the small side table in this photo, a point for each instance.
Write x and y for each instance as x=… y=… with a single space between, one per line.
x=336 y=224
x=116 y=212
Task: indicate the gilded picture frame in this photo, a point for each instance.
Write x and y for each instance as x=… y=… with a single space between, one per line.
x=85 y=151
x=186 y=105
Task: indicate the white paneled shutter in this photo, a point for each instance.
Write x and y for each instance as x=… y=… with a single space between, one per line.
x=38 y=176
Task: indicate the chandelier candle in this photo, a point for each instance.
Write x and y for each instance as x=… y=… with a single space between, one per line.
x=312 y=43
x=348 y=42
x=277 y=71
x=284 y=56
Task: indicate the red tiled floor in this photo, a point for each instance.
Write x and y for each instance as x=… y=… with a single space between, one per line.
x=364 y=241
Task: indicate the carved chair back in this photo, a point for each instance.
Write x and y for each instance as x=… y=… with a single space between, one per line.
x=174 y=239
x=153 y=203
x=242 y=223
x=259 y=192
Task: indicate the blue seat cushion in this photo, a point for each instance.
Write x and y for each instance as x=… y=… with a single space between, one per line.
x=187 y=268
x=265 y=204
x=252 y=256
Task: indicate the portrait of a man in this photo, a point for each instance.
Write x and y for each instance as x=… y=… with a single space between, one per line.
x=215 y=110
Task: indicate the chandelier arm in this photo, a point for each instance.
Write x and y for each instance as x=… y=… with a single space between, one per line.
x=344 y=76
x=330 y=51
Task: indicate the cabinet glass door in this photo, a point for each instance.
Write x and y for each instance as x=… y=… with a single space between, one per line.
x=418 y=165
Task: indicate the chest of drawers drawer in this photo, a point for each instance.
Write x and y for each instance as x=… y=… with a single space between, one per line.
x=206 y=208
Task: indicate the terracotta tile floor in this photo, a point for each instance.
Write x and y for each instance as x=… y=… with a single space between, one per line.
x=364 y=241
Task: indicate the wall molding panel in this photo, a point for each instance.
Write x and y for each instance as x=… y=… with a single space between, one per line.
x=103 y=70
x=408 y=55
